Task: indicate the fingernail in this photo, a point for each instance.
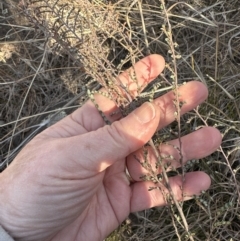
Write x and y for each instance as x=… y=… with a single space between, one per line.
x=145 y=113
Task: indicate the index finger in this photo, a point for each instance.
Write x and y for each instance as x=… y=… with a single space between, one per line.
x=146 y=70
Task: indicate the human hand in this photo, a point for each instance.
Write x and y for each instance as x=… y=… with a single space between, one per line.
x=69 y=182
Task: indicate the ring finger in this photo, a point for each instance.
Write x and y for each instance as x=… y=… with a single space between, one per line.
x=196 y=145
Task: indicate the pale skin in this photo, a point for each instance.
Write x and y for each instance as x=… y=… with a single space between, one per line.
x=69 y=182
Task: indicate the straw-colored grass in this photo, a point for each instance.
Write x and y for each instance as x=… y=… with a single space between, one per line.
x=51 y=50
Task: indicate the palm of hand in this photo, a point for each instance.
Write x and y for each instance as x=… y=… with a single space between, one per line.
x=74 y=200
x=107 y=207
x=75 y=170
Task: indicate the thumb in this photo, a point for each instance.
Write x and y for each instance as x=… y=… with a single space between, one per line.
x=101 y=148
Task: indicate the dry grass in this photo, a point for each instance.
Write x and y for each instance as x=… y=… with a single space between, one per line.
x=48 y=55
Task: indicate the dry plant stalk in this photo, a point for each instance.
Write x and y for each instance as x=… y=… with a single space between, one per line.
x=126 y=102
